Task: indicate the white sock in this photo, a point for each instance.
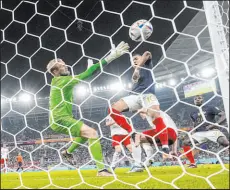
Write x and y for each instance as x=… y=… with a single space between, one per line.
x=136 y=153
x=150 y=121
x=116 y=157
x=165 y=146
x=148 y=150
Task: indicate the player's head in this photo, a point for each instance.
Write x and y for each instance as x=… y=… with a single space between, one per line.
x=19 y=154
x=198 y=100
x=136 y=59
x=57 y=67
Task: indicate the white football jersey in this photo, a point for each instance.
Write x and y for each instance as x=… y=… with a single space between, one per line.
x=116 y=129
x=4 y=152
x=168 y=121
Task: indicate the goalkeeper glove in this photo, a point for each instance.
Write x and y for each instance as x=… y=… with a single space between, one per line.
x=120 y=50
x=90 y=63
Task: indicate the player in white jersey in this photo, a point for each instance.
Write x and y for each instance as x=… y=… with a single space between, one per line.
x=4 y=157
x=145 y=139
x=119 y=136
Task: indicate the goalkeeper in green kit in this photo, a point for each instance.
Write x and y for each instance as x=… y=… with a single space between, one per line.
x=60 y=105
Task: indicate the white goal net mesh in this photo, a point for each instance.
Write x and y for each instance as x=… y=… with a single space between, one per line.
x=189 y=46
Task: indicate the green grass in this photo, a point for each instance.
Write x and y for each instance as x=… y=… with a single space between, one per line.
x=66 y=179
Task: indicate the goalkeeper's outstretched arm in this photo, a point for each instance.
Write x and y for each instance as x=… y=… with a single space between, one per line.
x=121 y=49
x=90 y=71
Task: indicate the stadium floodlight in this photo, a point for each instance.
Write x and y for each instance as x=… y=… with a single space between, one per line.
x=130 y=85
x=118 y=86
x=25 y=97
x=113 y=86
x=81 y=91
x=207 y=72
x=172 y=82
x=94 y=89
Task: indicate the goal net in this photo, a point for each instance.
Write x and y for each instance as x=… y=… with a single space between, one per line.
x=189 y=46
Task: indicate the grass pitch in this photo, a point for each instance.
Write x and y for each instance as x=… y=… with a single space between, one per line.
x=72 y=179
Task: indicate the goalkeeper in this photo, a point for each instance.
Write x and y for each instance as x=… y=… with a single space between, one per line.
x=60 y=105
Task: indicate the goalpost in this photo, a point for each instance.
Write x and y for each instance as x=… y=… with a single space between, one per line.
x=219 y=33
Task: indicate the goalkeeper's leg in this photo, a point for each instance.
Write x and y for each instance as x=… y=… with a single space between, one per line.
x=95 y=149
x=76 y=144
x=68 y=153
x=83 y=132
x=71 y=124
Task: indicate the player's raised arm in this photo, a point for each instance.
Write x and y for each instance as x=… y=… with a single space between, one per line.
x=120 y=50
x=146 y=56
x=140 y=61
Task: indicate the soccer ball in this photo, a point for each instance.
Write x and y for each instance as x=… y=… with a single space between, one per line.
x=138 y=27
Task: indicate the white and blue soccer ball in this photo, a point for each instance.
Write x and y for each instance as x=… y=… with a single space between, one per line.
x=139 y=27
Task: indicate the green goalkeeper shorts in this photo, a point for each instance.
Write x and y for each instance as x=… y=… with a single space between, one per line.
x=67 y=125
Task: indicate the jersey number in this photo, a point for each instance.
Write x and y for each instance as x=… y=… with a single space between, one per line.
x=150 y=98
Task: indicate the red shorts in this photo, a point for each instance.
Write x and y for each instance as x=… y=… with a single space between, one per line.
x=119 y=138
x=3 y=160
x=172 y=136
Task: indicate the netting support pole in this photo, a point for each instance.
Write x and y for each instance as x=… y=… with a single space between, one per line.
x=220 y=49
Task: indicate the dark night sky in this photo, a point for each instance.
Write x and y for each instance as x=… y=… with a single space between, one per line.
x=39 y=31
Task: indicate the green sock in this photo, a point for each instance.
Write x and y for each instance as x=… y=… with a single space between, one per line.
x=74 y=145
x=96 y=152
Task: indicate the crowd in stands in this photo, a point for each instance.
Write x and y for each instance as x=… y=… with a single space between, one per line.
x=46 y=154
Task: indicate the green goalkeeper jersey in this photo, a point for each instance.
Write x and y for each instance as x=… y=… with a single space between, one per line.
x=61 y=94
